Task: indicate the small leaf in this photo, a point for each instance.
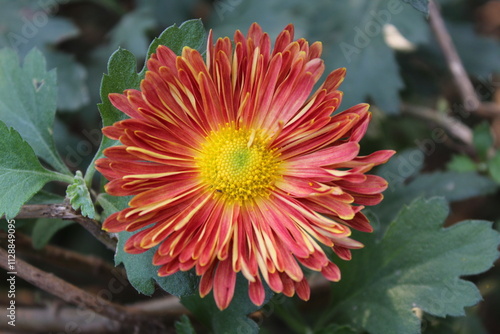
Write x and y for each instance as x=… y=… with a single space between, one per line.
x=184 y=326
x=45 y=228
x=494 y=167
x=79 y=196
x=141 y=272
x=461 y=163
x=21 y=174
x=417 y=264
x=482 y=139
x=421 y=5
x=190 y=33
x=28 y=100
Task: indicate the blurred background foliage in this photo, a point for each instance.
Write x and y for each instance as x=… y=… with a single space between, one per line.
x=393 y=61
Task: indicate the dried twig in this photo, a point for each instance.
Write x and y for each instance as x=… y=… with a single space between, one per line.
x=55 y=318
x=451 y=125
x=65 y=211
x=468 y=95
x=59 y=210
x=74 y=295
x=60 y=320
x=64 y=257
x=467 y=92
x=169 y=306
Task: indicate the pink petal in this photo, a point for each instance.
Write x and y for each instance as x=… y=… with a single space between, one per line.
x=256 y=292
x=224 y=283
x=303 y=290
x=331 y=272
x=328 y=156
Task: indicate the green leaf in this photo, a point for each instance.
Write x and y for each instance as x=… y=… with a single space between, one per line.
x=141 y=272
x=336 y=329
x=72 y=91
x=79 y=196
x=190 y=33
x=231 y=320
x=363 y=67
x=28 y=102
x=112 y=204
x=122 y=74
x=184 y=326
x=482 y=139
x=417 y=264
x=21 y=20
x=45 y=197
x=494 y=167
x=45 y=228
x=421 y=5
x=461 y=163
x=406 y=184
x=21 y=174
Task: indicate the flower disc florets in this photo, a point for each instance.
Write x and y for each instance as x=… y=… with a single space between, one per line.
x=239 y=163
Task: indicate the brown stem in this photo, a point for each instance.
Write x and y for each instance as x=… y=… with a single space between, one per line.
x=489 y=110
x=449 y=124
x=164 y=306
x=467 y=92
x=62 y=319
x=62 y=257
x=59 y=210
x=74 y=295
x=65 y=211
x=56 y=319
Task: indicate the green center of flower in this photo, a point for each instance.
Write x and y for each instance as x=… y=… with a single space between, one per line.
x=238 y=163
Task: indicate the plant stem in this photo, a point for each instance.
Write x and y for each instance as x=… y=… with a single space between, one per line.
x=65 y=211
x=464 y=85
x=74 y=295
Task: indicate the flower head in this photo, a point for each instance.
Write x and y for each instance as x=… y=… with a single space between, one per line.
x=236 y=167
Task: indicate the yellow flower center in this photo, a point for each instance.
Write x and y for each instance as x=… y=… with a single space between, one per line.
x=238 y=163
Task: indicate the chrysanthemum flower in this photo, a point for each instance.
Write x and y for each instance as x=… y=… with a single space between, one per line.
x=235 y=167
